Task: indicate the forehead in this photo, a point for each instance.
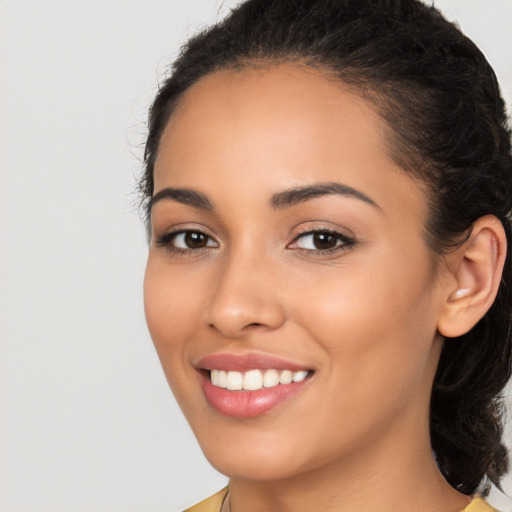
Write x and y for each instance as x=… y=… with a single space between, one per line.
x=281 y=104
x=276 y=127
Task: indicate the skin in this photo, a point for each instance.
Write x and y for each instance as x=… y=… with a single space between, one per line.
x=364 y=316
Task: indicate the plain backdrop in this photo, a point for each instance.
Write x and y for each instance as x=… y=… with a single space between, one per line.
x=87 y=422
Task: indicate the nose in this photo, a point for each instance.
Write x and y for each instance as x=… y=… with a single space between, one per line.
x=245 y=298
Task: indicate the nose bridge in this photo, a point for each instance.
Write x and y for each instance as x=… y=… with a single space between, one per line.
x=245 y=295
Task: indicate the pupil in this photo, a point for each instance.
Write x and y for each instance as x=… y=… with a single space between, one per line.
x=195 y=240
x=324 y=241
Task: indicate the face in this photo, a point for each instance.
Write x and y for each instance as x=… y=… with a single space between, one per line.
x=288 y=265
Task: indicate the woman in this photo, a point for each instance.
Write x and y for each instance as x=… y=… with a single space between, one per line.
x=328 y=189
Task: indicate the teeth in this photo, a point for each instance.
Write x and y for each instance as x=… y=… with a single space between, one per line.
x=235 y=381
x=286 y=377
x=223 y=379
x=299 y=376
x=255 y=379
x=271 y=378
x=219 y=378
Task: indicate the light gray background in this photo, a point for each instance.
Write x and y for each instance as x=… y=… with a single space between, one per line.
x=86 y=420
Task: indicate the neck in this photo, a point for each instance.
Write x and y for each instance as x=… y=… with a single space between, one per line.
x=374 y=478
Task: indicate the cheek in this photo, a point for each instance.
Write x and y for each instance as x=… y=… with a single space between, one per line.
x=172 y=314
x=372 y=326
x=377 y=358
x=171 y=306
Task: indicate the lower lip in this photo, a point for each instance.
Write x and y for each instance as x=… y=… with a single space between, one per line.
x=248 y=404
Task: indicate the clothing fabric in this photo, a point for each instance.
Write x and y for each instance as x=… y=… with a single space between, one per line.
x=214 y=504
x=211 y=504
x=479 y=505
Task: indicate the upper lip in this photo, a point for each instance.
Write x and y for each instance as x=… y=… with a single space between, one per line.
x=246 y=362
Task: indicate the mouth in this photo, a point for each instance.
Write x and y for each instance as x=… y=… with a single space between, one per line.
x=256 y=379
x=246 y=386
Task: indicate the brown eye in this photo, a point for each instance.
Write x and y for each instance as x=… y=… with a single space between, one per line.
x=195 y=240
x=323 y=241
x=186 y=241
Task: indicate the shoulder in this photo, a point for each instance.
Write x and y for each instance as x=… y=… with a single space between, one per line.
x=479 y=505
x=214 y=503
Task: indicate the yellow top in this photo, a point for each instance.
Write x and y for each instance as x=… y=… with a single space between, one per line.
x=479 y=505
x=211 y=504
x=214 y=504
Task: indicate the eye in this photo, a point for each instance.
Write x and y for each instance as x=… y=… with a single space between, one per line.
x=186 y=241
x=192 y=240
x=321 y=241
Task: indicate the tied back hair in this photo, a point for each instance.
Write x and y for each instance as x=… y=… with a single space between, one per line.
x=447 y=127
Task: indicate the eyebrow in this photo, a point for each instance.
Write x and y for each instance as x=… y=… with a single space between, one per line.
x=296 y=195
x=181 y=195
x=278 y=201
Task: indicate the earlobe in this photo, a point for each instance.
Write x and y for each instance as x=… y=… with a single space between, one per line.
x=477 y=267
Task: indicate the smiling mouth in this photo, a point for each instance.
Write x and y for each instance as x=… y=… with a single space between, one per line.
x=253 y=380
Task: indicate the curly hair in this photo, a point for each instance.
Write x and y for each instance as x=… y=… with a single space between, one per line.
x=448 y=128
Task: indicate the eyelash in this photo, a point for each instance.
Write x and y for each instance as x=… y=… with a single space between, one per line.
x=166 y=240
x=343 y=242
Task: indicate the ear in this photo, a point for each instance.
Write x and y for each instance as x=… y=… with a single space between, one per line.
x=476 y=267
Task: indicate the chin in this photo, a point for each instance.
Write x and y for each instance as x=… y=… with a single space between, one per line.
x=261 y=457
x=246 y=467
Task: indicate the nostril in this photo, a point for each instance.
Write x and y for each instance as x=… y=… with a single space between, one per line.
x=236 y=319
x=253 y=324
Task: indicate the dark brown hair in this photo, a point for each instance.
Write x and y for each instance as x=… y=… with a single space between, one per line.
x=448 y=127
